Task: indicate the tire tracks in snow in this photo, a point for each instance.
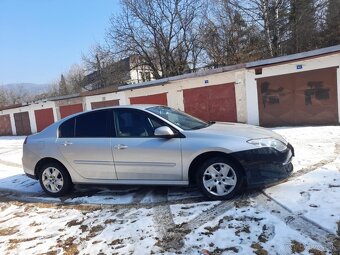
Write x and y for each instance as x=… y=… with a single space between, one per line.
x=295 y=221
x=172 y=236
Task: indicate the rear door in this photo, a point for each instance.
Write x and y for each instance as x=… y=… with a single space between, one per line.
x=138 y=154
x=85 y=143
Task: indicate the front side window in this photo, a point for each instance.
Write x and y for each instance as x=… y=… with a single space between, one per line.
x=180 y=119
x=135 y=123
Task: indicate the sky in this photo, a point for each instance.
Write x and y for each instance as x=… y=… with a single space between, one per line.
x=40 y=39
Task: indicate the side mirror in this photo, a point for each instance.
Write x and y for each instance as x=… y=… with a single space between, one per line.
x=164 y=132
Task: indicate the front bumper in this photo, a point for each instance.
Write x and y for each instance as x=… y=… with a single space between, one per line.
x=265 y=166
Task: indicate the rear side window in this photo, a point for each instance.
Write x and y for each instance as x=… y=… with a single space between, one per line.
x=92 y=124
x=66 y=129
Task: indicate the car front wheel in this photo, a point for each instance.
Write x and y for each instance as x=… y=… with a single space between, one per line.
x=219 y=178
x=54 y=179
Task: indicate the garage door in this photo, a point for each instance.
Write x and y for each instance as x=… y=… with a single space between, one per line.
x=44 y=118
x=22 y=123
x=102 y=104
x=151 y=99
x=212 y=103
x=67 y=110
x=305 y=98
x=5 y=125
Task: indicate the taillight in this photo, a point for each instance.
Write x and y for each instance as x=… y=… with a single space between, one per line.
x=25 y=140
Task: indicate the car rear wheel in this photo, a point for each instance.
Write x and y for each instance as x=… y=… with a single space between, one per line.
x=54 y=179
x=219 y=178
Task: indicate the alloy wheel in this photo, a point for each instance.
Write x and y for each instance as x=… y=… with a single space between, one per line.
x=52 y=179
x=219 y=179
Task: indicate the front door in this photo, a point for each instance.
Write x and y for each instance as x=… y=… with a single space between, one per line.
x=138 y=154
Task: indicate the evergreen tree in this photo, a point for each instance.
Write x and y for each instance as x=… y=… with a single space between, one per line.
x=332 y=29
x=303 y=27
x=62 y=86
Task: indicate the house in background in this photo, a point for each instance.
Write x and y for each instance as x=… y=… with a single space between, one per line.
x=129 y=70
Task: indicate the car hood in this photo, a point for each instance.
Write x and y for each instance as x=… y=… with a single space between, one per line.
x=239 y=130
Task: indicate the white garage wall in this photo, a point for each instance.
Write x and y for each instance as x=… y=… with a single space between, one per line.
x=30 y=109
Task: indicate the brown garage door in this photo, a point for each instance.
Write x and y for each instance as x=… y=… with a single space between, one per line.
x=212 y=103
x=22 y=123
x=305 y=98
x=44 y=118
x=151 y=99
x=67 y=110
x=5 y=125
x=102 y=104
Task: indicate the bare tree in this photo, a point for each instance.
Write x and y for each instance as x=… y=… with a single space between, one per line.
x=103 y=70
x=74 y=78
x=164 y=33
x=227 y=38
x=272 y=17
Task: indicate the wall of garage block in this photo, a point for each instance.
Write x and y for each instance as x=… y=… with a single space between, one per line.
x=230 y=105
x=229 y=94
x=322 y=70
x=27 y=119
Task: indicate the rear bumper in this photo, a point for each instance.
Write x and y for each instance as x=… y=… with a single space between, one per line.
x=265 y=166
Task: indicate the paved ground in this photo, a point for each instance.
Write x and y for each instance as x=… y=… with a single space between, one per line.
x=300 y=216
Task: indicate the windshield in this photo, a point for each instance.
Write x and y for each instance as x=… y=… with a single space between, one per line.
x=180 y=119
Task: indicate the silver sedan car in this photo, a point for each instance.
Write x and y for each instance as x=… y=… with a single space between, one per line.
x=155 y=145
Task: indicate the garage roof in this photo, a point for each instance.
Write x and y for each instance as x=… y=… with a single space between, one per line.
x=302 y=55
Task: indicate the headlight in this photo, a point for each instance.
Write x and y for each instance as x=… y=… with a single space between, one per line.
x=268 y=142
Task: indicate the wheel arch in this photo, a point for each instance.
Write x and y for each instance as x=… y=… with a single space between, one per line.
x=44 y=161
x=204 y=156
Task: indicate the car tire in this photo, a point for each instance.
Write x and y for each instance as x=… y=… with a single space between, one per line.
x=55 y=179
x=219 y=178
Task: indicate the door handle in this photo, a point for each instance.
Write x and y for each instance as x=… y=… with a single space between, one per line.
x=120 y=146
x=67 y=143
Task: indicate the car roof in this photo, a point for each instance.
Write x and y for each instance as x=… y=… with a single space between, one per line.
x=134 y=106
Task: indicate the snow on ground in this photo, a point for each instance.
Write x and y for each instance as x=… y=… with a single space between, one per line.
x=33 y=229
x=154 y=220
x=314 y=195
x=246 y=230
x=11 y=149
x=311 y=144
x=182 y=213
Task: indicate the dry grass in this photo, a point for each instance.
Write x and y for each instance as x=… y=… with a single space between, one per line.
x=13 y=243
x=297 y=247
x=258 y=249
x=8 y=231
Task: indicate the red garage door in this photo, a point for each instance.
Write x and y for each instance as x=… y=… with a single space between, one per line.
x=67 y=110
x=212 y=103
x=102 y=104
x=5 y=125
x=304 y=98
x=43 y=118
x=151 y=99
x=22 y=123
